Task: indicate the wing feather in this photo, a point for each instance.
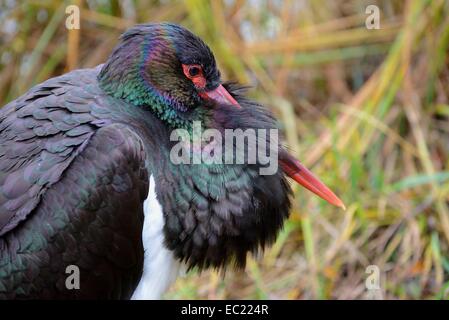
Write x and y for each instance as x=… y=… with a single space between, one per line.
x=72 y=186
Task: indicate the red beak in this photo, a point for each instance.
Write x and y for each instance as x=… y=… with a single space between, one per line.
x=291 y=167
x=295 y=170
x=220 y=95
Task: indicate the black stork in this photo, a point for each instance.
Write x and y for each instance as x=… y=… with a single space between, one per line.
x=86 y=178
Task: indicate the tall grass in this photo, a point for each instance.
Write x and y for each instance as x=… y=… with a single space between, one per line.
x=367 y=110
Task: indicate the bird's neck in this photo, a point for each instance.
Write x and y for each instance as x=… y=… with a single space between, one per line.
x=213 y=214
x=134 y=91
x=217 y=213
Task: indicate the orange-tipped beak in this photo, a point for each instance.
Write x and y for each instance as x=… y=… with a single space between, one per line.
x=290 y=165
x=295 y=170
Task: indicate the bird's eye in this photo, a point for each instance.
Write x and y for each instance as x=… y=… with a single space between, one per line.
x=194 y=71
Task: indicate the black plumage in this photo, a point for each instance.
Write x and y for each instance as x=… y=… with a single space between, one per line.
x=76 y=154
x=65 y=201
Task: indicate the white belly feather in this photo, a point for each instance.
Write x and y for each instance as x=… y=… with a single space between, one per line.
x=160 y=267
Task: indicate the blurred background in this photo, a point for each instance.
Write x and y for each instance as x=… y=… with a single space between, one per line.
x=365 y=109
